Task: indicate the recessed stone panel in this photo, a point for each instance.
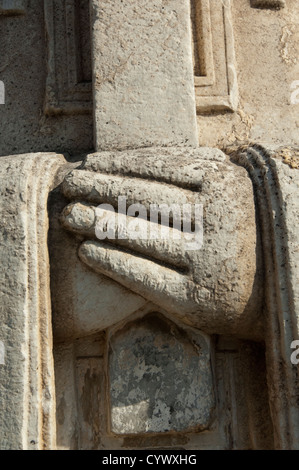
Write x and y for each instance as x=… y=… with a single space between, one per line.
x=68 y=87
x=12 y=7
x=160 y=378
x=215 y=76
x=272 y=4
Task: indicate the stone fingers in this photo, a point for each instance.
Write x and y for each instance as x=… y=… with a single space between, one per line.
x=183 y=167
x=164 y=286
x=98 y=188
x=79 y=218
x=155 y=241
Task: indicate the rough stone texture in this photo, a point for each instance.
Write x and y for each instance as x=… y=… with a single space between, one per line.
x=24 y=69
x=79 y=375
x=267 y=3
x=66 y=406
x=276 y=186
x=160 y=378
x=84 y=302
x=266 y=46
x=241 y=397
x=142 y=74
x=68 y=86
x=27 y=393
x=216 y=287
x=266 y=52
x=241 y=377
x=105 y=294
x=12 y=7
x=216 y=84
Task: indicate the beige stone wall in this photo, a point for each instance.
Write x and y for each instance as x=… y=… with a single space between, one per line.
x=240 y=287
x=267 y=63
x=23 y=68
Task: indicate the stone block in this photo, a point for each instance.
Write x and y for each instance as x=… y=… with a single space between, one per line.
x=142 y=74
x=160 y=378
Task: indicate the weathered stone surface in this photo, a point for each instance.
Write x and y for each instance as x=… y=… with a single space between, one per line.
x=12 y=7
x=68 y=87
x=268 y=3
x=82 y=391
x=160 y=378
x=84 y=302
x=27 y=67
x=266 y=43
x=142 y=74
x=67 y=426
x=242 y=282
x=27 y=393
x=216 y=286
x=266 y=51
x=240 y=372
x=215 y=73
x=276 y=186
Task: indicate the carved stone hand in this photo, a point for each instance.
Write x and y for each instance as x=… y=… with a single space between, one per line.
x=215 y=287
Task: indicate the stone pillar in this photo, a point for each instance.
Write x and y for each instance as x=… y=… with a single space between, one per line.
x=143 y=83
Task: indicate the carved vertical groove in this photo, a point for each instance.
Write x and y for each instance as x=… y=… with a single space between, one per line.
x=282 y=324
x=27 y=392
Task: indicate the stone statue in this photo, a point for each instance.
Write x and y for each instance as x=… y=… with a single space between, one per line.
x=180 y=337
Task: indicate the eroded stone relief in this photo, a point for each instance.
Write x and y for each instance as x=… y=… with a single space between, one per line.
x=68 y=87
x=143 y=359
x=216 y=86
x=140 y=343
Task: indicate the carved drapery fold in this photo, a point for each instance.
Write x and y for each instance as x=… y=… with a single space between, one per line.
x=276 y=188
x=27 y=392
